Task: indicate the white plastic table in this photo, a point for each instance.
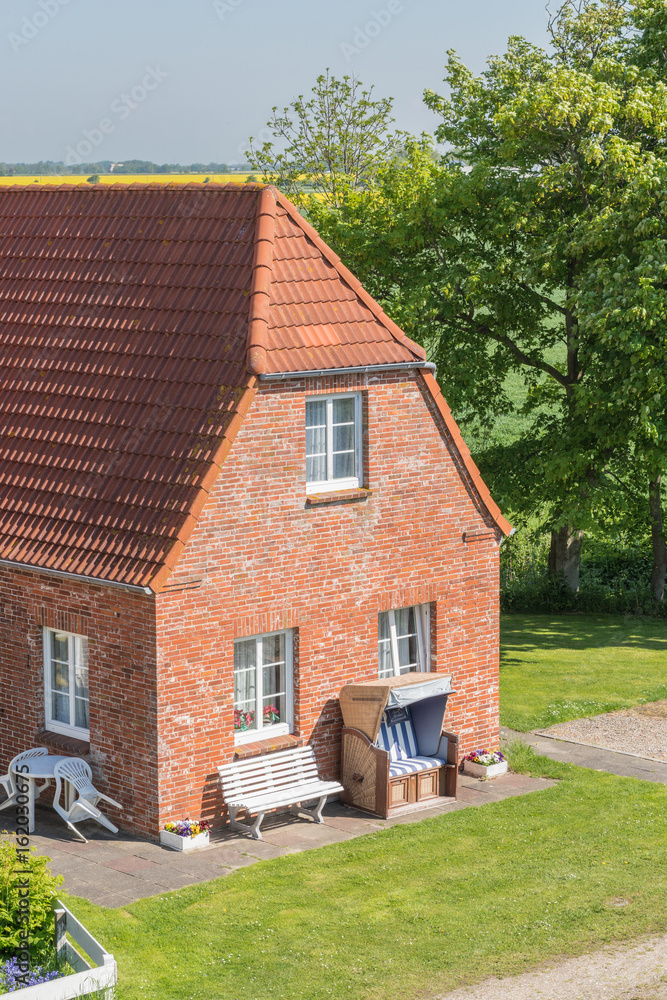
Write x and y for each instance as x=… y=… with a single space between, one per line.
x=34 y=769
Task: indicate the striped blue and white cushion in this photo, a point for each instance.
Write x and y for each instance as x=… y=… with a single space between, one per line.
x=400 y=741
x=412 y=764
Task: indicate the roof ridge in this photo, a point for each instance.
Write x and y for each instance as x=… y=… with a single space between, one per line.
x=262 y=276
x=347 y=276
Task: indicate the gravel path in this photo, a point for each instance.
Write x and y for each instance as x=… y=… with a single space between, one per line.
x=641 y=730
x=615 y=973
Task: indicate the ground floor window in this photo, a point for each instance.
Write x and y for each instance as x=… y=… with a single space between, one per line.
x=263 y=686
x=66 y=683
x=403 y=641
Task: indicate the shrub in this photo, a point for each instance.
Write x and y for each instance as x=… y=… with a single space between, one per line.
x=23 y=871
x=614 y=579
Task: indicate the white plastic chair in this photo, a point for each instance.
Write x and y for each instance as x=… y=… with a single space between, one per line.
x=8 y=781
x=78 y=774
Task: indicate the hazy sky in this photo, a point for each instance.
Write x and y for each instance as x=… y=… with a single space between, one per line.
x=189 y=80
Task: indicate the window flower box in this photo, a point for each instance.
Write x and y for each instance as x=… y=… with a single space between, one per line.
x=187 y=835
x=484 y=764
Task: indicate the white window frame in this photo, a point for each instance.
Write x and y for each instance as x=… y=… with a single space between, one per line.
x=350 y=482
x=275 y=728
x=423 y=625
x=75 y=654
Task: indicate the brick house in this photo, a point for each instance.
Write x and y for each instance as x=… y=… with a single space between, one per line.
x=229 y=485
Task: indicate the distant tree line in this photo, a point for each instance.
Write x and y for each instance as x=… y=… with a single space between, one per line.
x=57 y=167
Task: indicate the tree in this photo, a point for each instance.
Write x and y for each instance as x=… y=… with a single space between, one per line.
x=333 y=142
x=498 y=257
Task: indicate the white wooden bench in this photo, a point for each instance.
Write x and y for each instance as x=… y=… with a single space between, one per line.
x=274 y=781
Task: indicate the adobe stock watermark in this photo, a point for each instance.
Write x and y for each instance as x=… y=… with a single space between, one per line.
x=122 y=107
x=31 y=26
x=23 y=869
x=225 y=7
x=365 y=33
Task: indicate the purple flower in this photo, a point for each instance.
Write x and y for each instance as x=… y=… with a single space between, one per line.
x=14 y=979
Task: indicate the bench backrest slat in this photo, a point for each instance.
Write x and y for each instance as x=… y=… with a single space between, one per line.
x=270 y=772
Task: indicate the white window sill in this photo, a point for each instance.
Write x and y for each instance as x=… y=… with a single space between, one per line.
x=333 y=485
x=62 y=730
x=253 y=735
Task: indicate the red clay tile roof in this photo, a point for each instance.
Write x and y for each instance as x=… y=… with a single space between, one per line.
x=133 y=321
x=309 y=312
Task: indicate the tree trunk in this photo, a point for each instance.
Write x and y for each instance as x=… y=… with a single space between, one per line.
x=658 y=539
x=565 y=555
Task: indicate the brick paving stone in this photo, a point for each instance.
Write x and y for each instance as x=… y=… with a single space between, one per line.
x=114 y=901
x=166 y=878
x=196 y=866
x=261 y=850
x=131 y=865
x=307 y=834
x=353 y=824
x=233 y=859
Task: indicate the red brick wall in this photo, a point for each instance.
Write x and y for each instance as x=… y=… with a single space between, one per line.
x=120 y=626
x=261 y=559
x=161 y=670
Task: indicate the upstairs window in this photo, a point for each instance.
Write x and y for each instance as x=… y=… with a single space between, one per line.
x=66 y=683
x=403 y=641
x=263 y=686
x=333 y=443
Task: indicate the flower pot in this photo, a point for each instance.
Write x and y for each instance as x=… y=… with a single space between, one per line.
x=178 y=843
x=484 y=771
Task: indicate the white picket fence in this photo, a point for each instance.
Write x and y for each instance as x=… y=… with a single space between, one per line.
x=87 y=978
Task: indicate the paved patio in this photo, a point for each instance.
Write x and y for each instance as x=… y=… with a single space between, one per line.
x=116 y=870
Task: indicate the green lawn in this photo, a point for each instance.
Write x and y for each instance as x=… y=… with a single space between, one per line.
x=420 y=907
x=556 y=668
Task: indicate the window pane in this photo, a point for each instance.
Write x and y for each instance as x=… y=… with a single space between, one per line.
x=405 y=621
x=274 y=700
x=343 y=410
x=316 y=413
x=316 y=469
x=81 y=668
x=60 y=677
x=406 y=633
x=60 y=647
x=408 y=654
x=385 y=668
x=273 y=649
x=384 y=659
x=343 y=465
x=343 y=437
x=60 y=708
x=316 y=441
x=383 y=625
x=245 y=661
x=81 y=683
x=81 y=713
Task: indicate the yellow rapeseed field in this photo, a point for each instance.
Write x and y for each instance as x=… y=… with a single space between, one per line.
x=238 y=178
